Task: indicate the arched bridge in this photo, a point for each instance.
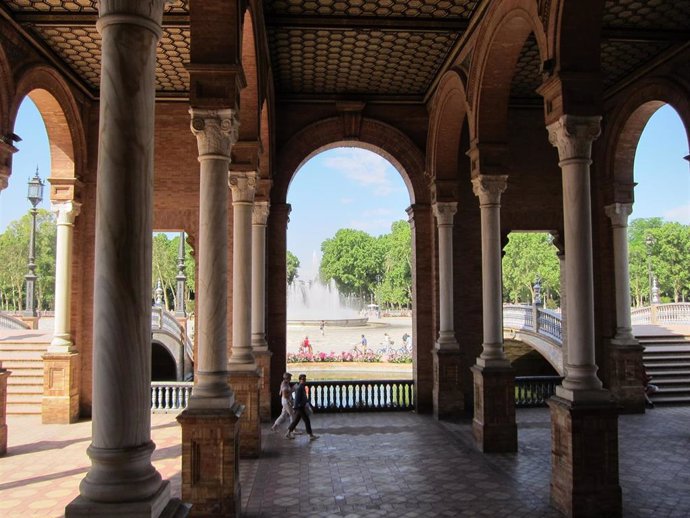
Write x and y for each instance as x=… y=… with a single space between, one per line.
x=168 y=335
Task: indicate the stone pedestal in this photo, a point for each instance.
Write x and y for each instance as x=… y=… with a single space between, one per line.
x=263 y=362
x=246 y=385
x=210 y=461
x=60 y=403
x=448 y=396
x=4 y=374
x=493 y=426
x=32 y=322
x=625 y=382
x=584 y=458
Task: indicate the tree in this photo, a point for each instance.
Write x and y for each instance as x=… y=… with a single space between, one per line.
x=292 y=266
x=639 y=254
x=528 y=256
x=395 y=288
x=671 y=260
x=164 y=267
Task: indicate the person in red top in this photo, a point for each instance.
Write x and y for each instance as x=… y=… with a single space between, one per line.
x=305 y=346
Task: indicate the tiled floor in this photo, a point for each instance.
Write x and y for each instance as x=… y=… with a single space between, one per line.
x=372 y=465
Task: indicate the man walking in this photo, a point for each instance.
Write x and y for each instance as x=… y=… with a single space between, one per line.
x=301 y=402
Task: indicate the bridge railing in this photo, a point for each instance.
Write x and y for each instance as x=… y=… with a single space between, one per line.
x=170 y=396
x=10 y=322
x=533 y=391
x=361 y=395
x=673 y=313
x=523 y=317
x=162 y=320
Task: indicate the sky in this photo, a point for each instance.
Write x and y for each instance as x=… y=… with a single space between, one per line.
x=355 y=188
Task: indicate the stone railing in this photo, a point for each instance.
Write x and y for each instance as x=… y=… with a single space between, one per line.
x=170 y=396
x=10 y=322
x=548 y=323
x=673 y=313
x=164 y=321
x=361 y=395
x=533 y=391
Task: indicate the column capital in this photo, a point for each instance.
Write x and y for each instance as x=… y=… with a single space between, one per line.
x=243 y=186
x=619 y=212
x=147 y=14
x=444 y=212
x=216 y=131
x=488 y=188
x=573 y=136
x=260 y=213
x=66 y=211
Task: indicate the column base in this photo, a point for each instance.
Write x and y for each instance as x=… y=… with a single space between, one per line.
x=584 y=458
x=60 y=404
x=245 y=385
x=493 y=425
x=624 y=375
x=160 y=505
x=448 y=398
x=263 y=362
x=4 y=374
x=210 y=461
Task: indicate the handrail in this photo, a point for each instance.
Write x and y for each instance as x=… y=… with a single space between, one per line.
x=10 y=322
x=170 y=396
x=533 y=391
x=361 y=395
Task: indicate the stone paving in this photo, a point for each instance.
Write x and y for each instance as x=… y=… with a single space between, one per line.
x=372 y=465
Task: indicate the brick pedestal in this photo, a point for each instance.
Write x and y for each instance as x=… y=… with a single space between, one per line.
x=447 y=393
x=493 y=426
x=4 y=374
x=210 y=461
x=245 y=385
x=263 y=361
x=584 y=459
x=60 y=403
x=625 y=367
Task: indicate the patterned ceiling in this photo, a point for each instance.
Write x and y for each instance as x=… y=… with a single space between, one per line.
x=367 y=48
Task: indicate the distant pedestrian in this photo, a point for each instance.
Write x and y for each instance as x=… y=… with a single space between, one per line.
x=305 y=346
x=321 y=327
x=300 y=407
x=286 y=401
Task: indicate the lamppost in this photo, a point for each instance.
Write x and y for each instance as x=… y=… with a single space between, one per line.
x=537 y=292
x=650 y=241
x=35 y=196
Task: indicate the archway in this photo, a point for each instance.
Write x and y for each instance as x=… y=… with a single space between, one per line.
x=163 y=366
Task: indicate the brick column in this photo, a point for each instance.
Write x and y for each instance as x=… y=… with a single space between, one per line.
x=244 y=373
x=584 y=420
x=259 y=344
x=210 y=423
x=493 y=425
x=4 y=374
x=122 y=480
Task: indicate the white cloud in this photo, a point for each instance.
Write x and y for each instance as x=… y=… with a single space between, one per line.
x=363 y=167
x=680 y=214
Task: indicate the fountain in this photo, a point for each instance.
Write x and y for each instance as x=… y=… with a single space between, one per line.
x=310 y=303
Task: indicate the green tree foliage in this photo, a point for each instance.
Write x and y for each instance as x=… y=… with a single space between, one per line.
x=292 y=267
x=528 y=256
x=164 y=263
x=395 y=288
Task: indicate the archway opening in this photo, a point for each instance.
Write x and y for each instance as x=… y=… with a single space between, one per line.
x=163 y=366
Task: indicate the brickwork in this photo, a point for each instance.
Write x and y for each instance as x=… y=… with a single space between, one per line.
x=4 y=374
x=584 y=459
x=447 y=391
x=493 y=426
x=625 y=380
x=246 y=388
x=60 y=403
x=263 y=361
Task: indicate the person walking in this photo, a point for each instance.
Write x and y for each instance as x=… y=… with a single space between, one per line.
x=300 y=407
x=286 y=402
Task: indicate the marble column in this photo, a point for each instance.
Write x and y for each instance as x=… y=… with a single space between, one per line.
x=244 y=373
x=210 y=423
x=624 y=351
x=493 y=424
x=259 y=344
x=122 y=480
x=61 y=367
x=447 y=393
x=584 y=420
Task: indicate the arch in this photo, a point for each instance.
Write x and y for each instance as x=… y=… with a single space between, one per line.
x=175 y=350
x=550 y=352
x=265 y=159
x=58 y=107
x=6 y=88
x=249 y=95
x=374 y=135
x=448 y=112
x=163 y=364
x=506 y=30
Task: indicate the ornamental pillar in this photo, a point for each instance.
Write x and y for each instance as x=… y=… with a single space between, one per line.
x=210 y=423
x=624 y=351
x=584 y=421
x=260 y=350
x=122 y=479
x=493 y=424
x=244 y=373
x=60 y=402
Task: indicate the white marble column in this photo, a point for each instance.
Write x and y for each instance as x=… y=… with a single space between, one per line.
x=619 y=212
x=489 y=189
x=121 y=471
x=444 y=212
x=259 y=219
x=243 y=186
x=66 y=213
x=573 y=136
x=216 y=132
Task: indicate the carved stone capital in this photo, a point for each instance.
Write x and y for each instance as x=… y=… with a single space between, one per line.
x=242 y=185
x=145 y=13
x=66 y=211
x=619 y=212
x=216 y=131
x=260 y=213
x=573 y=136
x=444 y=212
x=488 y=188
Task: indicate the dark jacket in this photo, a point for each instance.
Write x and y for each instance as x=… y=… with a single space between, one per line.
x=301 y=398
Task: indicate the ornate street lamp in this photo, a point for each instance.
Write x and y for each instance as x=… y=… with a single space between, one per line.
x=537 y=292
x=181 y=280
x=35 y=196
x=650 y=241
x=159 y=295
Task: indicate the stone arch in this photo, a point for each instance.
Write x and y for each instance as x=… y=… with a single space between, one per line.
x=505 y=32
x=60 y=113
x=165 y=359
